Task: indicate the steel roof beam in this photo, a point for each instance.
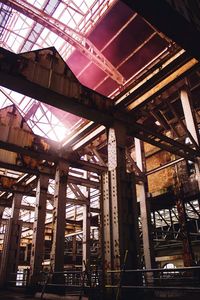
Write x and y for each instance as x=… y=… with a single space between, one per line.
x=24 y=86
x=92 y=108
x=165 y=75
x=75 y=163
x=92 y=105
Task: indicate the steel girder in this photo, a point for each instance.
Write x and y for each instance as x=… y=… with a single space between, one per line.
x=92 y=106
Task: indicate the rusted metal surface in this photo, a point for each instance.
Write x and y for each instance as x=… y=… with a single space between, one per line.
x=37 y=248
x=180 y=181
x=11 y=247
x=59 y=215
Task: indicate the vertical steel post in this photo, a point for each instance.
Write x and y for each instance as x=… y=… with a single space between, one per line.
x=148 y=248
x=191 y=124
x=172 y=224
x=74 y=249
x=188 y=255
x=16 y=205
x=86 y=233
x=106 y=227
x=189 y=114
x=180 y=180
x=59 y=216
x=1 y=214
x=123 y=203
x=11 y=247
x=37 y=249
x=86 y=236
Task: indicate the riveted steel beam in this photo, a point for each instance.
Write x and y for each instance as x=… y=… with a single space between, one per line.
x=123 y=204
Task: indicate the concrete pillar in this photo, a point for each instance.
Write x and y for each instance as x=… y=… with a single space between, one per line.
x=149 y=256
x=59 y=216
x=37 y=249
x=11 y=246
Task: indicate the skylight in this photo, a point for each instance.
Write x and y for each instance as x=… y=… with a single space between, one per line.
x=19 y=34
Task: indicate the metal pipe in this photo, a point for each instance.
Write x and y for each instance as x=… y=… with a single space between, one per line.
x=171 y=163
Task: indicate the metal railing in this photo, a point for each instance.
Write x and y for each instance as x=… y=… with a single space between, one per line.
x=18 y=279
x=187 y=278
x=80 y=282
x=71 y=281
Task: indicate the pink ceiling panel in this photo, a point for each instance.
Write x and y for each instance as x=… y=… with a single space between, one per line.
x=122 y=46
x=107 y=87
x=92 y=76
x=77 y=62
x=110 y=24
x=143 y=56
x=128 y=40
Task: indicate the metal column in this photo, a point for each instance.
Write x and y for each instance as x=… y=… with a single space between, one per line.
x=148 y=248
x=37 y=250
x=124 y=218
x=59 y=216
x=1 y=214
x=189 y=114
x=86 y=228
x=181 y=181
x=188 y=255
x=86 y=236
x=11 y=247
x=191 y=123
x=192 y=126
x=106 y=224
x=74 y=249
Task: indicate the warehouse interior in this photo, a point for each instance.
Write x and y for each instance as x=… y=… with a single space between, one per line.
x=99 y=149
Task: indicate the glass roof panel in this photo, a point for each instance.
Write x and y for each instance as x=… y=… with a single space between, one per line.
x=21 y=34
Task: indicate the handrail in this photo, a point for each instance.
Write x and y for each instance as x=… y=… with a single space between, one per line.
x=180 y=279
x=156 y=270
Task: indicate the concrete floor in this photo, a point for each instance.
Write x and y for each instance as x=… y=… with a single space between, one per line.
x=9 y=295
